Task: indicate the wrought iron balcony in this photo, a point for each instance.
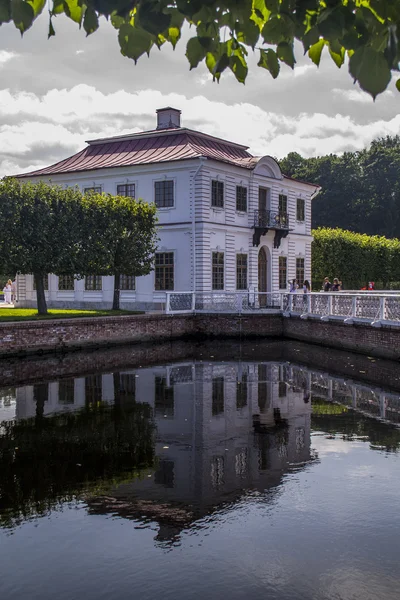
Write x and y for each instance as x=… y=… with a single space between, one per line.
x=264 y=220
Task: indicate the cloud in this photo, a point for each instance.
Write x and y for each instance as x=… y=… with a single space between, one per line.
x=359 y=96
x=39 y=130
x=6 y=56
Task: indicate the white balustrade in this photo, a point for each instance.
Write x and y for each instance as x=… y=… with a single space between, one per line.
x=376 y=309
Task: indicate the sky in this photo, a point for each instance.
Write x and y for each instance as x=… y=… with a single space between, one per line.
x=56 y=94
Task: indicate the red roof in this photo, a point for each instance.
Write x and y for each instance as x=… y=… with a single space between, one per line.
x=150 y=147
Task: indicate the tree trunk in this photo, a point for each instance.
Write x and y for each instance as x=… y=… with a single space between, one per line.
x=117 y=281
x=41 y=298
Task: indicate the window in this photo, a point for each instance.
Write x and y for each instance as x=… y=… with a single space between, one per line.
x=66 y=391
x=282 y=272
x=93 y=283
x=217 y=194
x=282 y=203
x=45 y=282
x=66 y=283
x=126 y=189
x=217 y=270
x=127 y=282
x=241 y=198
x=217 y=469
x=164 y=193
x=282 y=389
x=95 y=190
x=163 y=399
x=300 y=270
x=164 y=271
x=93 y=389
x=217 y=395
x=300 y=209
x=127 y=386
x=241 y=271
x=165 y=473
x=241 y=392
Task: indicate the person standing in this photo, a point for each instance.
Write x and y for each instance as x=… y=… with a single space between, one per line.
x=293 y=286
x=13 y=292
x=7 y=292
x=336 y=285
x=326 y=286
x=306 y=287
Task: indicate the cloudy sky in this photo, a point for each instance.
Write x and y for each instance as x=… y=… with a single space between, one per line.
x=55 y=94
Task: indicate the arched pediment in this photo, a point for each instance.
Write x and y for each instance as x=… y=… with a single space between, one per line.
x=268 y=167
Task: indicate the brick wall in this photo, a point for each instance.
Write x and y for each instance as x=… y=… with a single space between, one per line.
x=360 y=338
x=32 y=337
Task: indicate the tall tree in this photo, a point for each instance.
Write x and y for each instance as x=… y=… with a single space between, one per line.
x=134 y=240
x=365 y=31
x=40 y=231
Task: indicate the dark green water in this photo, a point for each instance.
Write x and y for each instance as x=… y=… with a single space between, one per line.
x=215 y=476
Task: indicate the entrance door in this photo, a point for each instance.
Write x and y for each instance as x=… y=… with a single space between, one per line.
x=262 y=276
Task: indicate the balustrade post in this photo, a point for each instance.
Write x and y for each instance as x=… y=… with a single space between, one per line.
x=330 y=304
x=382 y=308
x=167 y=303
x=193 y=301
x=290 y=303
x=308 y=303
x=354 y=306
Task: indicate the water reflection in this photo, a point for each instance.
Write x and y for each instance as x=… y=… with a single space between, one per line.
x=169 y=443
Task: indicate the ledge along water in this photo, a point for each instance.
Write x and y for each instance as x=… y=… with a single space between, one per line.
x=365 y=323
x=227 y=470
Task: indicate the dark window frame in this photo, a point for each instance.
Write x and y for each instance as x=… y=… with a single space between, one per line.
x=64 y=283
x=241 y=198
x=282 y=269
x=283 y=204
x=217 y=193
x=300 y=210
x=95 y=189
x=218 y=395
x=218 y=271
x=127 y=283
x=93 y=283
x=125 y=189
x=300 y=267
x=164 y=193
x=164 y=271
x=241 y=271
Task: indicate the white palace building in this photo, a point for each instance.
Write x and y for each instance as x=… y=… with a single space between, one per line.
x=228 y=221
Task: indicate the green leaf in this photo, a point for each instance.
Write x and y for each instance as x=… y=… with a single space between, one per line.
x=37 y=6
x=22 y=14
x=51 y=29
x=284 y=51
x=269 y=60
x=398 y=84
x=221 y=64
x=248 y=33
x=73 y=10
x=260 y=13
x=315 y=51
x=211 y=62
x=5 y=11
x=90 y=21
x=174 y=34
x=195 y=52
x=273 y=31
x=239 y=68
x=134 y=42
x=337 y=57
x=151 y=19
x=310 y=38
x=371 y=70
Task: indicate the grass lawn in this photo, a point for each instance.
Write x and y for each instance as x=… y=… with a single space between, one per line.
x=30 y=314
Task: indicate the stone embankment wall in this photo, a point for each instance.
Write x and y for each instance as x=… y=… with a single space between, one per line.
x=38 y=337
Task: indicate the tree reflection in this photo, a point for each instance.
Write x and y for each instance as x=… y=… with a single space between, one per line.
x=45 y=461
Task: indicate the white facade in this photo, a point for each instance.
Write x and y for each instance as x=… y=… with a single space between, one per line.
x=193 y=229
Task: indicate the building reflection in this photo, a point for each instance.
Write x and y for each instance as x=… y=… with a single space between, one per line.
x=222 y=429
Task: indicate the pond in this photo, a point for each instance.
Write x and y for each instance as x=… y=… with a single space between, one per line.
x=222 y=471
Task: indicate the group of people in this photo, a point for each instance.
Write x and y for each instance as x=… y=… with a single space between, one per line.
x=294 y=286
x=336 y=286
x=10 y=290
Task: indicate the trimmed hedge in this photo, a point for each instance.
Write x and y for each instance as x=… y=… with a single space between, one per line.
x=355 y=259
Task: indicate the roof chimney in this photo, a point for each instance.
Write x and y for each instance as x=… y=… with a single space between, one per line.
x=168 y=118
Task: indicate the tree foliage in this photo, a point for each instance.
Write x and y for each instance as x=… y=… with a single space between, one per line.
x=48 y=229
x=354 y=258
x=360 y=190
x=364 y=31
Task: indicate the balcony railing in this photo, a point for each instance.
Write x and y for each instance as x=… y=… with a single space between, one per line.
x=271 y=219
